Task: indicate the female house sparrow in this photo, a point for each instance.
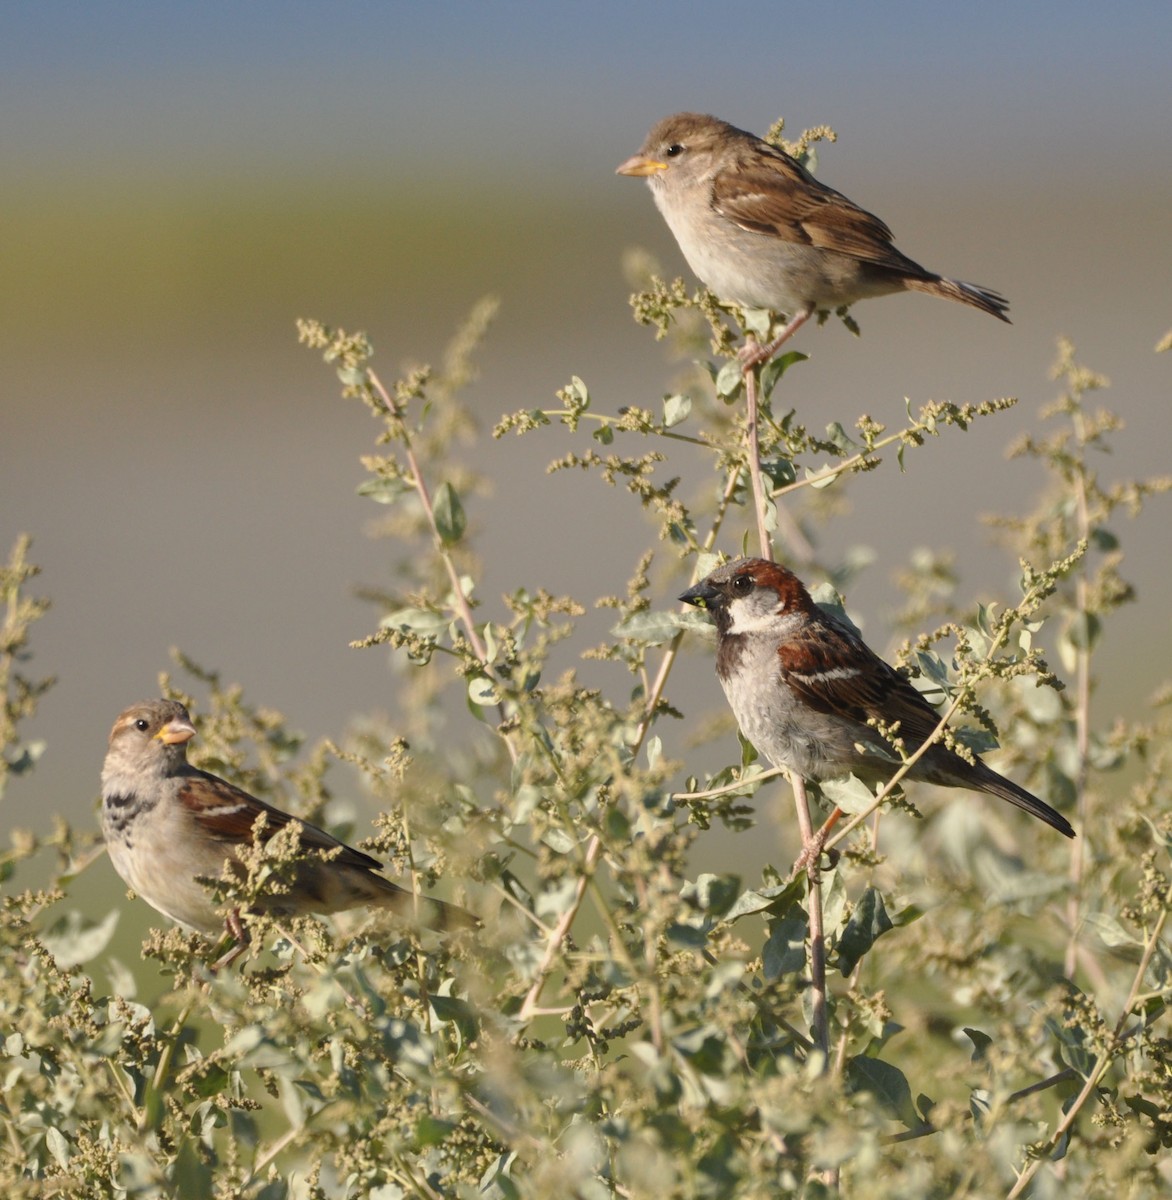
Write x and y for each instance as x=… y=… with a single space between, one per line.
x=802 y=686
x=762 y=232
x=166 y=822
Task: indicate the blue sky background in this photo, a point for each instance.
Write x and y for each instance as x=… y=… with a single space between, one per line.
x=252 y=85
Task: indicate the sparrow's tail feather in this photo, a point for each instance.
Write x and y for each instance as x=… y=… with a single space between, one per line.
x=998 y=785
x=432 y=914
x=985 y=299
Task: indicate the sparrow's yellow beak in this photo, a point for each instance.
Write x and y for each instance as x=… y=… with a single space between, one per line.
x=176 y=732
x=638 y=165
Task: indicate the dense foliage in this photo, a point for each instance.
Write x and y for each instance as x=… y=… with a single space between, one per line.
x=623 y=1026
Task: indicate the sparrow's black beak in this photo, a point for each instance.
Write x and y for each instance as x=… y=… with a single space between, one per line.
x=701 y=594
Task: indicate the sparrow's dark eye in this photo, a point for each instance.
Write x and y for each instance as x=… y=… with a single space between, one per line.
x=742 y=585
x=673 y=150
x=142 y=724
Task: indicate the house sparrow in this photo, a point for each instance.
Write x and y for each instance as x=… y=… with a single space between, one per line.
x=762 y=232
x=803 y=685
x=166 y=822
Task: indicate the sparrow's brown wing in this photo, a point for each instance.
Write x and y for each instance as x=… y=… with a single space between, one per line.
x=228 y=814
x=836 y=673
x=769 y=192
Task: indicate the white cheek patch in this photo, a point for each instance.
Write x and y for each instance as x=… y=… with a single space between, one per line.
x=760 y=613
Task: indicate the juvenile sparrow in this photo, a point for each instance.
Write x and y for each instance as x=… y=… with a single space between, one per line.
x=762 y=232
x=166 y=822
x=803 y=685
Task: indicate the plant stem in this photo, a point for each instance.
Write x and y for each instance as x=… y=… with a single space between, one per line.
x=594 y=846
x=753 y=454
x=463 y=608
x=1106 y=1059
x=1082 y=713
x=820 y=1023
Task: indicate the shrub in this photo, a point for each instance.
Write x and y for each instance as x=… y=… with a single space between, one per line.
x=953 y=1011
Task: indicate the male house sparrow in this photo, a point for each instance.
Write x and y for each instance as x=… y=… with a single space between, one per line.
x=762 y=232
x=166 y=822
x=802 y=686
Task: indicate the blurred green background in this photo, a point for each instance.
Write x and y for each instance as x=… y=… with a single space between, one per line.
x=180 y=182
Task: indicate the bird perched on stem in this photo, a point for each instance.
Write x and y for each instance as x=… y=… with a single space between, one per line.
x=762 y=232
x=169 y=825
x=803 y=686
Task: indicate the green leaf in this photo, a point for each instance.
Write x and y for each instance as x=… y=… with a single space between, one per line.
x=383 y=491
x=776 y=367
x=774 y=900
x=654 y=751
x=24 y=756
x=987 y=620
x=848 y=321
x=483 y=691
x=603 y=434
x=769 y=514
x=655 y=628
x=866 y=925
x=432 y=1131
x=705 y=1048
x=981 y=1043
x=74 y=939
x=779 y=471
x=1111 y=933
x=684 y=936
x=577 y=394
x=676 y=410
x=57 y=1146
x=785 y=951
x=1083 y=630
x=713 y=894
x=932 y=667
x=352 y=376
x=827 y=598
x=1073 y=1051
x=758 y=321
x=459 y=1012
x=980 y=1105
x=819 y=484
x=887 y=1084
x=729 y=379
x=838 y=437
x=192 y=1177
x=979 y=741
x=449 y=515
x=211 y=1080
x=851 y=794
x=423 y=621
x=1043 y=704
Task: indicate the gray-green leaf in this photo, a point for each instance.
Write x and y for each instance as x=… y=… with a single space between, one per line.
x=449 y=515
x=887 y=1084
x=866 y=925
x=676 y=409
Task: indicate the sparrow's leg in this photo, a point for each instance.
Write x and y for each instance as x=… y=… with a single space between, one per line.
x=811 y=853
x=752 y=354
x=234 y=927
